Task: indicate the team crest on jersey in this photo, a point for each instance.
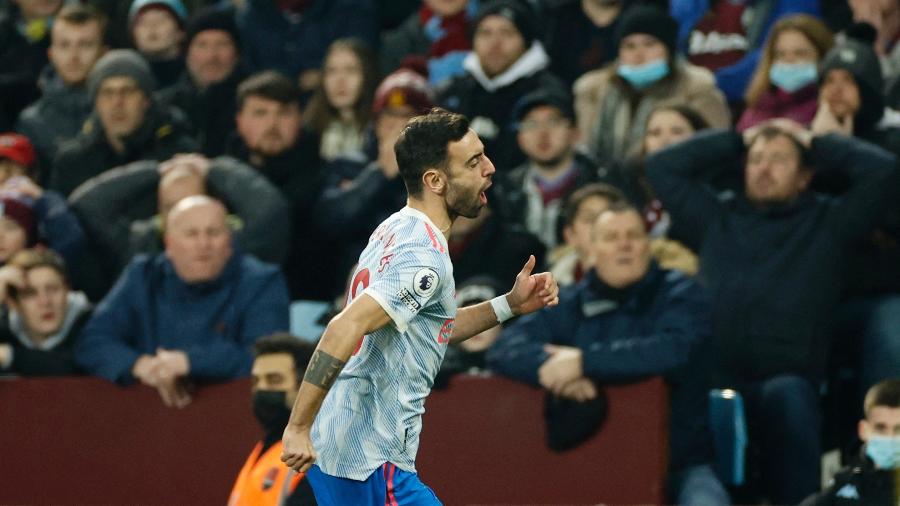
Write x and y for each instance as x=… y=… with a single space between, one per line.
x=425 y=282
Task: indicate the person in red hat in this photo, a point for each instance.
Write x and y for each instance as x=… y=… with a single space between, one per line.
x=17 y=156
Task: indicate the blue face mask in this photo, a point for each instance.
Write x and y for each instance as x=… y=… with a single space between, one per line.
x=790 y=77
x=884 y=451
x=641 y=76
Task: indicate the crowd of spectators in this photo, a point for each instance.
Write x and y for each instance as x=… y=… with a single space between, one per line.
x=715 y=183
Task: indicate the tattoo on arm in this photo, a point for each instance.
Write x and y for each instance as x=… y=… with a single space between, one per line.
x=323 y=369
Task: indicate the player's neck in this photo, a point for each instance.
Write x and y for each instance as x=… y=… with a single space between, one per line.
x=436 y=212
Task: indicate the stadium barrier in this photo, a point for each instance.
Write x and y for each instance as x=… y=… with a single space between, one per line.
x=85 y=441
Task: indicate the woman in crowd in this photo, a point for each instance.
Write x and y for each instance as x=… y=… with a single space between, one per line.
x=340 y=109
x=785 y=84
x=613 y=102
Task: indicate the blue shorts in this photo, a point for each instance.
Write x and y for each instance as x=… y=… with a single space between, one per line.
x=386 y=486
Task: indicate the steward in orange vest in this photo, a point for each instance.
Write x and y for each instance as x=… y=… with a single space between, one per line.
x=265 y=480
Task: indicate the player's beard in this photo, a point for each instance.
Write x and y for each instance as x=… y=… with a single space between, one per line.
x=460 y=202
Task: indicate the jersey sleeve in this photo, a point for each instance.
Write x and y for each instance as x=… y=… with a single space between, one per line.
x=409 y=282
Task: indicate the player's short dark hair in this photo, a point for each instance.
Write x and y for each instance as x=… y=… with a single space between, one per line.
x=422 y=145
x=885 y=393
x=602 y=190
x=271 y=85
x=283 y=342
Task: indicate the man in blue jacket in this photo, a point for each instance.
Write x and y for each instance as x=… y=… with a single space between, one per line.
x=190 y=313
x=626 y=320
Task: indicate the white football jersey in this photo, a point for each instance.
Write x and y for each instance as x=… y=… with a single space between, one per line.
x=373 y=413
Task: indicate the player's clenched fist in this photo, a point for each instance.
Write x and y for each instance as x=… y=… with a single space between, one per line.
x=297 y=449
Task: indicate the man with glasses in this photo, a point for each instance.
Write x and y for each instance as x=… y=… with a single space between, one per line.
x=534 y=193
x=126 y=125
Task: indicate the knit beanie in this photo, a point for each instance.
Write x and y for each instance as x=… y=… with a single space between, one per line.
x=20 y=209
x=214 y=18
x=122 y=63
x=861 y=62
x=174 y=6
x=650 y=21
x=518 y=12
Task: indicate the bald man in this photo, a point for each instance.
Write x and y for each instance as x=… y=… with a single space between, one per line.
x=192 y=312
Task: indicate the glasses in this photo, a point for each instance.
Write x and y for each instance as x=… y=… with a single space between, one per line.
x=552 y=124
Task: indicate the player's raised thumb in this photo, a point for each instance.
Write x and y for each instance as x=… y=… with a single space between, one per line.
x=529 y=266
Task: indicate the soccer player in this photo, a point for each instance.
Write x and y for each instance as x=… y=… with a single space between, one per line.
x=380 y=355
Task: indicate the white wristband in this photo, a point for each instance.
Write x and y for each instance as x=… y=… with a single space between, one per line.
x=501 y=308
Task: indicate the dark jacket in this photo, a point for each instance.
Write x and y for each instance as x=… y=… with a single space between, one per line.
x=166 y=72
x=60 y=228
x=491 y=110
x=300 y=175
x=859 y=484
x=407 y=39
x=293 y=44
x=659 y=326
x=215 y=323
x=21 y=62
x=775 y=274
x=55 y=118
x=119 y=211
x=211 y=111
x=575 y=44
x=518 y=200
x=56 y=357
x=497 y=250
x=162 y=134
x=356 y=199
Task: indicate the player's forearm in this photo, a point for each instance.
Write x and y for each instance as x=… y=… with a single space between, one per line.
x=334 y=349
x=473 y=320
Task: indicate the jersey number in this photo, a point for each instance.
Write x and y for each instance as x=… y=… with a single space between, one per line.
x=360 y=283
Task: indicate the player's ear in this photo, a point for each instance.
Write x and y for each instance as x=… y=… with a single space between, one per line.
x=435 y=181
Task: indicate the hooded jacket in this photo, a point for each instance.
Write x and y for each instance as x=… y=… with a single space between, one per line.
x=55 y=118
x=53 y=357
x=161 y=135
x=214 y=322
x=775 y=273
x=489 y=102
